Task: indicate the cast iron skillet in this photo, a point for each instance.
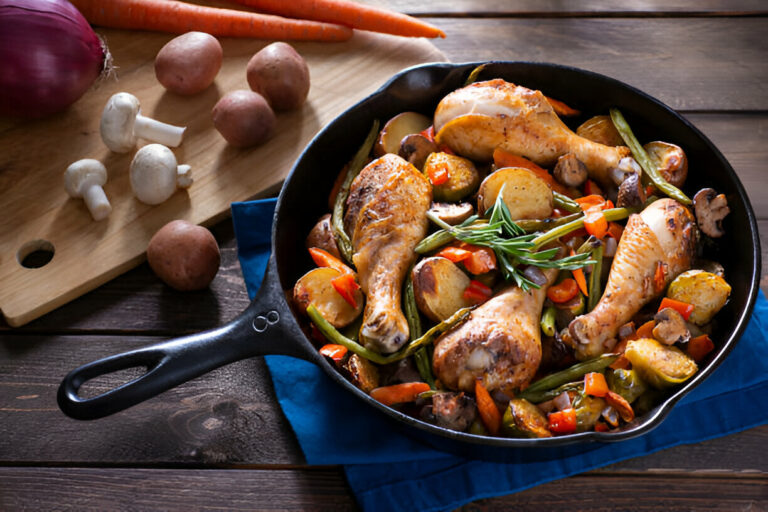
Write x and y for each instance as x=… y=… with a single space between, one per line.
x=268 y=325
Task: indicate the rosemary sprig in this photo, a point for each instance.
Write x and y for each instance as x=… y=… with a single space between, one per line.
x=512 y=246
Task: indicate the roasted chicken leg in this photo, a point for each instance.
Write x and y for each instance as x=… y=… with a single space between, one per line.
x=660 y=241
x=386 y=217
x=475 y=120
x=499 y=343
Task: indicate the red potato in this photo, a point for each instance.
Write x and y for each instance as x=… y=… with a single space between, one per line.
x=280 y=74
x=244 y=118
x=188 y=64
x=184 y=255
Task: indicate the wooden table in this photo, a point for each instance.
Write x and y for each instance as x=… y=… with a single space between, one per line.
x=221 y=442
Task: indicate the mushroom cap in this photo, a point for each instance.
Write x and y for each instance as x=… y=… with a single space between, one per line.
x=117 y=121
x=82 y=174
x=153 y=174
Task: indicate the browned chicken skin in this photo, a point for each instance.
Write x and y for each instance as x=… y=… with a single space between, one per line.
x=664 y=233
x=475 y=120
x=386 y=217
x=499 y=343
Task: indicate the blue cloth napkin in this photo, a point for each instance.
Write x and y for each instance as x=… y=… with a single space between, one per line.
x=390 y=471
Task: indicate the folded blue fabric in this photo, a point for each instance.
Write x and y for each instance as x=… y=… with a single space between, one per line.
x=390 y=471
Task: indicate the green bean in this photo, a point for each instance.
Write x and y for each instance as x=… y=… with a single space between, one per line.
x=568 y=375
x=644 y=160
x=548 y=321
x=612 y=214
x=334 y=336
x=531 y=225
x=355 y=166
x=472 y=78
x=536 y=397
x=566 y=203
x=420 y=357
x=594 y=279
x=442 y=236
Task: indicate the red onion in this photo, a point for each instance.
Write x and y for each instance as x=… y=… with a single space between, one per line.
x=50 y=56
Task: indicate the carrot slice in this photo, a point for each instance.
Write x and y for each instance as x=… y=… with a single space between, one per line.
x=563 y=292
x=399 y=393
x=646 y=330
x=561 y=108
x=489 y=413
x=699 y=347
x=180 y=17
x=595 y=224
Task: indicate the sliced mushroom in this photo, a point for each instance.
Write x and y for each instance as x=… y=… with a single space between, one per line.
x=710 y=208
x=455 y=411
x=626 y=167
x=416 y=148
x=570 y=171
x=363 y=373
x=670 y=327
x=323 y=236
x=670 y=160
x=631 y=192
x=452 y=213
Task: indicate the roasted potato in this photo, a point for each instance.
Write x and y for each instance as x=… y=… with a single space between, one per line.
x=394 y=130
x=323 y=236
x=362 y=373
x=707 y=292
x=526 y=195
x=659 y=365
x=524 y=419
x=184 y=255
x=600 y=129
x=438 y=285
x=463 y=177
x=315 y=287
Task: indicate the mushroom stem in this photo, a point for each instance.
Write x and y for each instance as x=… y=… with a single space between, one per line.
x=183 y=176
x=97 y=202
x=155 y=131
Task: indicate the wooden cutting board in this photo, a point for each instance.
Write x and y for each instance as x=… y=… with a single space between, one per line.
x=37 y=214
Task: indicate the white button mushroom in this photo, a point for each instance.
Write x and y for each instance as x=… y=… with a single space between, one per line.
x=155 y=174
x=122 y=123
x=85 y=178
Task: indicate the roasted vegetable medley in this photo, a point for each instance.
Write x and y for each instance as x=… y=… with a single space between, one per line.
x=509 y=266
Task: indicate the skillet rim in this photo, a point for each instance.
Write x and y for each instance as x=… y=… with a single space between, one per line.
x=651 y=419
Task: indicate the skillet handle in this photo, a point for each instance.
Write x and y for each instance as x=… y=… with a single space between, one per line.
x=265 y=327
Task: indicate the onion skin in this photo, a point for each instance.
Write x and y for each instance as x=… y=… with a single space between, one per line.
x=50 y=57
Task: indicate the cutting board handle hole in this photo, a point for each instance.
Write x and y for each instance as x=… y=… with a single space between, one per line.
x=35 y=254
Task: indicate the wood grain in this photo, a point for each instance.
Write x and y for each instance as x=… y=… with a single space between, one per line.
x=88 y=489
x=689 y=64
x=87 y=253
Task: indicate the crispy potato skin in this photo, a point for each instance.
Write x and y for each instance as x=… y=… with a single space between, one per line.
x=438 y=286
x=600 y=129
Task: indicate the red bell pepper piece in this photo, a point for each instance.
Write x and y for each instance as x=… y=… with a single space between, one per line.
x=562 y=422
x=683 y=308
x=477 y=292
x=323 y=258
x=595 y=384
x=699 y=347
x=346 y=285
x=333 y=351
x=595 y=224
x=438 y=174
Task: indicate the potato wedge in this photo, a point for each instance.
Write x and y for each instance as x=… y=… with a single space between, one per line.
x=600 y=129
x=463 y=177
x=322 y=236
x=659 y=365
x=707 y=292
x=396 y=129
x=315 y=287
x=363 y=373
x=526 y=195
x=438 y=285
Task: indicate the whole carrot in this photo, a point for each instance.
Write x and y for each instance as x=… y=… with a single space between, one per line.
x=180 y=17
x=349 y=13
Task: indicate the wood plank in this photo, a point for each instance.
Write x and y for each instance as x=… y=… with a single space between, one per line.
x=689 y=63
x=227 y=417
x=95 y=489
x=583 y=7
